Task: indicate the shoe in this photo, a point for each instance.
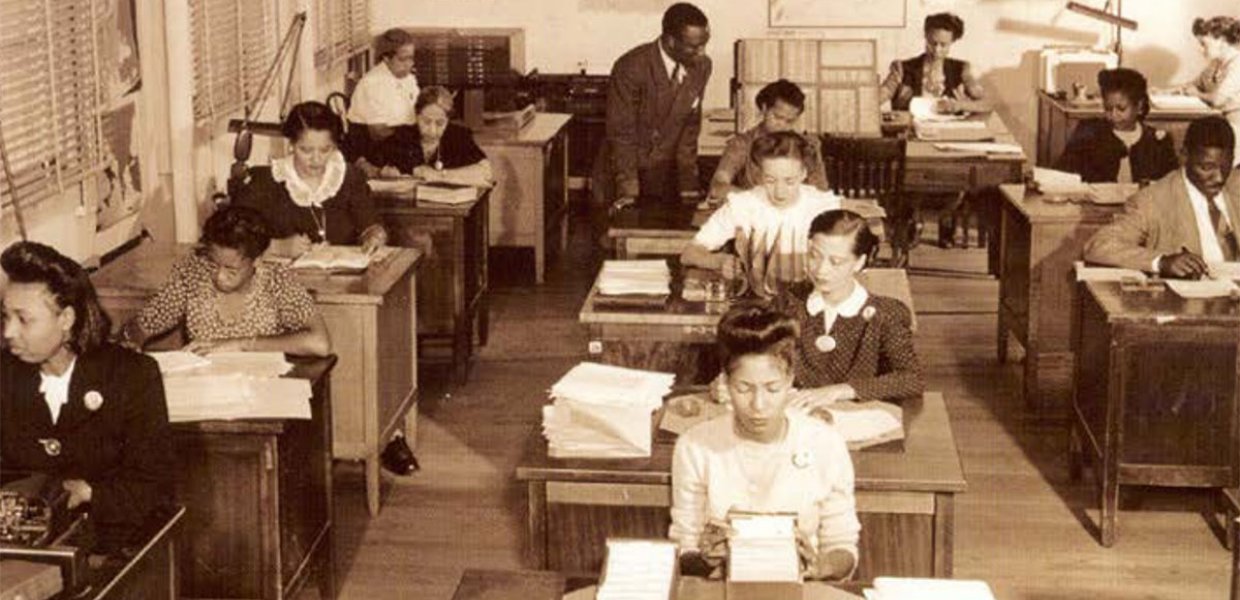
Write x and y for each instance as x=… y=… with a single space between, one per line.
x=398 y=458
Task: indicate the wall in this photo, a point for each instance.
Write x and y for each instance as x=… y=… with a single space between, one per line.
x=1001 y=38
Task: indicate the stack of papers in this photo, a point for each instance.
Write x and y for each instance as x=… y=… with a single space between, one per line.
x=899 y=588
x=1113 y=274
x=334 y=258
x=394 y=185
x=1059 y=183
x=763 y=548
x=979 y=147
x=601 y=411
x=446 y=193
x=961 y=131
x=644 y=277
x=231 y=385
x=1204 y=288
x=1177 y=102
x=865 y=424
x=638 y=570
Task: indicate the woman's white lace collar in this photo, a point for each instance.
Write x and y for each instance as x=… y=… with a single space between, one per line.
x=283 y=171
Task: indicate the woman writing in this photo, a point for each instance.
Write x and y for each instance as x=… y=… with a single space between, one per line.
x=313 y=196
x=229 y=301
x=1121 y=147
x=763 y=458
x=75 y=407
x=781 y=104
x=383 y=100
x=934 y=74
x=1219 y=83
x=437 y=150
x=779 y=208
x=853 y=345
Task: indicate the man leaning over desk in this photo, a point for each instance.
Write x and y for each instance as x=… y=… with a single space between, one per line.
x=654 y=115
x=1181 y=224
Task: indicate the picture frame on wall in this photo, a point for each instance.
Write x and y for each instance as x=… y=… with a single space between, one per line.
x=836 y=13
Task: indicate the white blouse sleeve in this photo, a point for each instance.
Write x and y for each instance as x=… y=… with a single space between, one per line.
x=689 y=511
x=838 y=527
x=720 y=228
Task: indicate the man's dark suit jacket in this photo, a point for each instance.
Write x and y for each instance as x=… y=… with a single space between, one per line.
x=122 y=449
x=651 y=123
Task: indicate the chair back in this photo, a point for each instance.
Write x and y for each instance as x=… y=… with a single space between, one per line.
x=865 y=167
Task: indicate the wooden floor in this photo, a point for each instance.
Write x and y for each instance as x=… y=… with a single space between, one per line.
x=1021 y=525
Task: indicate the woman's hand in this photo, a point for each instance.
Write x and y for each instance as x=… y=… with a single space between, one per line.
x=389 y=172
x=374 y=238
x=292 y=246
x=713 y=543
x=729 y=266
x=79 y=492
x=820 y=398
x=428 y=173
x=205 y=347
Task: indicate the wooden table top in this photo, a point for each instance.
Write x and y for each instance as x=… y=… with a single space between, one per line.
x=658 y=221
x=1036 y=209
x=540 y=130
x=924 y=150
x=313 y=369
x=928 y=463
x=487 y=584
x=1158 y=304
x=139 y=273
x=892 y=283
x=405 y=203
x=1093 y=109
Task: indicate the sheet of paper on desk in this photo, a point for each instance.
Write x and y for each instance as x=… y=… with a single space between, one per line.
x=1225 y=270
x=177 y=361
x=344 y=258
x=1084 y=273
x=1204 y=288
x=1111 y=193
x=922 y=109
x=1059 y=183
x=252 y=364
x=979 y=147
x=763 y=548
x=638 y=570
x=394 y=185
x=864 y=424
x=1177 y=102
x=900 y=588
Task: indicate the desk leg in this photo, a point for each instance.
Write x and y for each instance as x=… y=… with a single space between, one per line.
x=484 y=318
x=327 y=567
x=944 y=534
x=372 y=484
x=1001 y=347
x=536 y=525
x=411 y=426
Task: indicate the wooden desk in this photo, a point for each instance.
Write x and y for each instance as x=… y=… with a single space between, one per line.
x=259 y=500
x=486 y=584
x=1057 y=119
x=453 y=289
x=904 y=500
x=530 y=197
x=1232 y=497
x=1038 y=243
x=680 y=338
x=372 y=320
x=1156 y=392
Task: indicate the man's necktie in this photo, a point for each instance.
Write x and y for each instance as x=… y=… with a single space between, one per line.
x=1226 y=235
x=676 y=75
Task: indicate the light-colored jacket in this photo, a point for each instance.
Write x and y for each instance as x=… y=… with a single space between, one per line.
x=1157 y=221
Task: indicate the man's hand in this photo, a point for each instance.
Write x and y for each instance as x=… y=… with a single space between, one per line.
x=1182 y=265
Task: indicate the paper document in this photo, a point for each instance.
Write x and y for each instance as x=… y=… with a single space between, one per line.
x=864 y=424
x=979 y=147
x=601 y=411
x=1205 y=288
x=1177 y=102
x=899 y=588
x=647 y=277
x=1059 y=183
x=394 y=185
x=638 y=570
x=922 y=109
x=1084 y=273
x=763 y=548
x=344 y=258
x=231 y=385
x=1225 y=270
x=178 y=360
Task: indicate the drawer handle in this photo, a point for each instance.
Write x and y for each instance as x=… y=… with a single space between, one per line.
x=699 y=330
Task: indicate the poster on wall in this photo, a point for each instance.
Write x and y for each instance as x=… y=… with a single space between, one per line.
x=836 y=13
x=120 y=183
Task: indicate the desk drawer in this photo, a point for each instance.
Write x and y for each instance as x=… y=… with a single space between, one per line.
x=609 y=494
x=945 y=177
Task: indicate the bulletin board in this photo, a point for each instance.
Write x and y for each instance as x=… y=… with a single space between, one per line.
x=836 y=13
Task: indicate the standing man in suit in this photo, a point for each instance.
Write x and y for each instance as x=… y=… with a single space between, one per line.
x=654 y=114
x=1186 y=221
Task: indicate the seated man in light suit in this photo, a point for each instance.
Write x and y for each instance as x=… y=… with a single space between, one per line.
x=1181 y=224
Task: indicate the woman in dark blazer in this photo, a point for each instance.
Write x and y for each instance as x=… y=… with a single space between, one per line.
x=436 y=150
x=1120 y=147
x=934 y=74
x=75 y=407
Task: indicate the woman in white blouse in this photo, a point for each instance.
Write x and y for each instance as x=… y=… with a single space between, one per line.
x=1219 y=83
x=383 y=99
x=763 y=458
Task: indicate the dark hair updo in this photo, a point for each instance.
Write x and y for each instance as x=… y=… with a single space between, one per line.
x=237 y=228
x=312 y=115
x=756 y=328
x=847 y=222
x=1127 y=82
x=947 y=22
x=69 y=285
x=1225 y=28
x=783 y=144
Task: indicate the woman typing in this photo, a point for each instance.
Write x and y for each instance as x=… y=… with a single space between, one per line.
x=75 y=407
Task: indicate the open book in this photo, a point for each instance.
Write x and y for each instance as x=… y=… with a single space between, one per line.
x=446 y=193
x=333 y=258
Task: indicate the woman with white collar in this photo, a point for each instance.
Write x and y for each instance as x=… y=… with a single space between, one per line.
x=313 y=195
x=853 y=345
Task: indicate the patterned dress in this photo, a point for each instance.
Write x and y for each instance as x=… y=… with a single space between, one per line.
x=275 y=304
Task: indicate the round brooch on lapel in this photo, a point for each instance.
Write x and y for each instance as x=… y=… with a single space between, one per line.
x=93 y=400
x=868 y=313
x=824 y=343
x=802 y=459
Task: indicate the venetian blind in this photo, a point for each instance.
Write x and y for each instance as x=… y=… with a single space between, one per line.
x=49 y=95
x=342 y=29
x=234 y=43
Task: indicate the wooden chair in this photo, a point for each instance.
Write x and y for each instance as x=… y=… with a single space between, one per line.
x=1232 y=497
x=873 y=167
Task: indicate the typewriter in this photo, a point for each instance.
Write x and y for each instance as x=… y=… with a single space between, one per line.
x=36 y=525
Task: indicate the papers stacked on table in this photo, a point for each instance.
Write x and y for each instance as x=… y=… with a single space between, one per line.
x=638 y=570
x=954 y=131
x=644 y=277
x=865 y=424
x=392 y=185
x=763 y=548
x=1204 y=288
x=601 y=411
x=1177 y=102
x=1059 y=183
x=231 y=385
x=899 y=588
